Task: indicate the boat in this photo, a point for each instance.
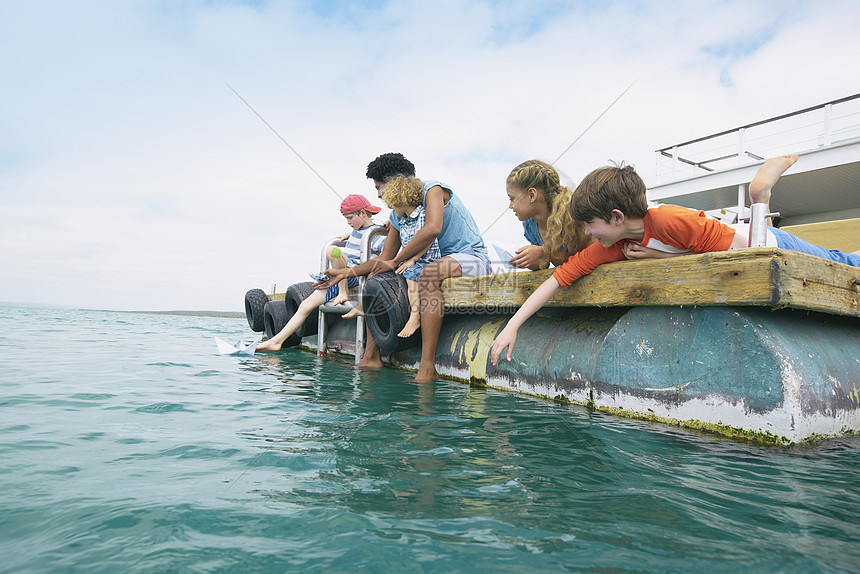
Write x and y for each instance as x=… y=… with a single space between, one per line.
x=757 y=344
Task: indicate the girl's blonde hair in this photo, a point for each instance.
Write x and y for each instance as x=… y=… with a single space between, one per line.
x=403 y=190
x=564 y=235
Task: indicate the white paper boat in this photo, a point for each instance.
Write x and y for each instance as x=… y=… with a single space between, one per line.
x=225 y=348
x=504 y=255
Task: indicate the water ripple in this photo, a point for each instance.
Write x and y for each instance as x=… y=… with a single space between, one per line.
x=168 y=457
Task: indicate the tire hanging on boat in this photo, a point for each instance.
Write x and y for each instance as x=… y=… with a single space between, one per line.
x=295 y=295
x=255 y=300
x=386 y=309
x=275 y=316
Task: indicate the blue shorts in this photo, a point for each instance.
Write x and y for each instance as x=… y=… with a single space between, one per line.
x=332 y=291
x=415 y=271
x=786 y=240
x=473 y=263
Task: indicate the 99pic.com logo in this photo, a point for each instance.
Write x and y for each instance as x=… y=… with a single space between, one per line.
x=387 y=294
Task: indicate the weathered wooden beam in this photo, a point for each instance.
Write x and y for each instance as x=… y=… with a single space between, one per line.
x=758 y=277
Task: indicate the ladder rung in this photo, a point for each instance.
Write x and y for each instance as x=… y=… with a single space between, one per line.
x=342 y=308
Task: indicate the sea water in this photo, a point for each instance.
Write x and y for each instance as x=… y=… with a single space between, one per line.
x=127 y=444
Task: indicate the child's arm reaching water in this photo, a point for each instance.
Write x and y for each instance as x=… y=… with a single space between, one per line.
x=509 y=334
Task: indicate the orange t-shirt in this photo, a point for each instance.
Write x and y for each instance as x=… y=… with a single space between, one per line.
x=667 y=228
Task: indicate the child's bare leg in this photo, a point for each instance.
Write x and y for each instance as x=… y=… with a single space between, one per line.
x=414 y=321
x=432 y=307
x=339 y=263
x=310 y=303
x=767 y=175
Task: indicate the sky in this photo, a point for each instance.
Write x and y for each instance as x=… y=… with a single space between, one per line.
x=173 y=154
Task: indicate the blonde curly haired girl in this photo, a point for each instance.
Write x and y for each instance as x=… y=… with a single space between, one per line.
x=541 y=202
x=405 y=195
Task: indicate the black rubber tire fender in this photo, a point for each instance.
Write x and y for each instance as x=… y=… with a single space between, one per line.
x=295 y=295
x=275 y=316
x=386 y=309
x=255 y=300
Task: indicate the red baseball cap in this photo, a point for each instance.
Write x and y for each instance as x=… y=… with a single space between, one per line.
x=354 y=202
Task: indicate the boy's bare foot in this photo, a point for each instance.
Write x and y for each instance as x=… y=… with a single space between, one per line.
x=341 y=298
x=412 y=325
x=767 y=175
x=269 y=345
x=354 y=312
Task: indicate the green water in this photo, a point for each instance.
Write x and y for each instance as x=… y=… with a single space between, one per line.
x=128 y=444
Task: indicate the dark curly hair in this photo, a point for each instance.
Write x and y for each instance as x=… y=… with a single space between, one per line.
x=388 y=165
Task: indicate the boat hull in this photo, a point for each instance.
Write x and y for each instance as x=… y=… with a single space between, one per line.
x=777 y=376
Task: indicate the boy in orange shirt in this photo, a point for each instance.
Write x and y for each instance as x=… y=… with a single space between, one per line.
x=611 y=201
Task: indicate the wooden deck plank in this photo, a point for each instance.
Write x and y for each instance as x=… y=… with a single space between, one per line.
x=758 y=277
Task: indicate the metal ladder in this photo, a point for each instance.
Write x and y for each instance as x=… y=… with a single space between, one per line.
x=366 y=239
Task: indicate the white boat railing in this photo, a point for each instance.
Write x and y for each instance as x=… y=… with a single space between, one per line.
x=828 y=124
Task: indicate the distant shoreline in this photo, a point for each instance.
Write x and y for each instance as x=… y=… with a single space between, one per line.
x=223 y=314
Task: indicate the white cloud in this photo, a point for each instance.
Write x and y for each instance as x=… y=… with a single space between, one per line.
x=132 y=177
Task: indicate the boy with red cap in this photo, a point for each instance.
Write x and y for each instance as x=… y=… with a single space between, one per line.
x=358 y=213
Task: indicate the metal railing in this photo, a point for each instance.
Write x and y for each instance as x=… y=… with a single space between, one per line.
x=325 y=308
x=816 y=127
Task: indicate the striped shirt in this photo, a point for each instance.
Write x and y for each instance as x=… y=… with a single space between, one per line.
x=352 y=249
